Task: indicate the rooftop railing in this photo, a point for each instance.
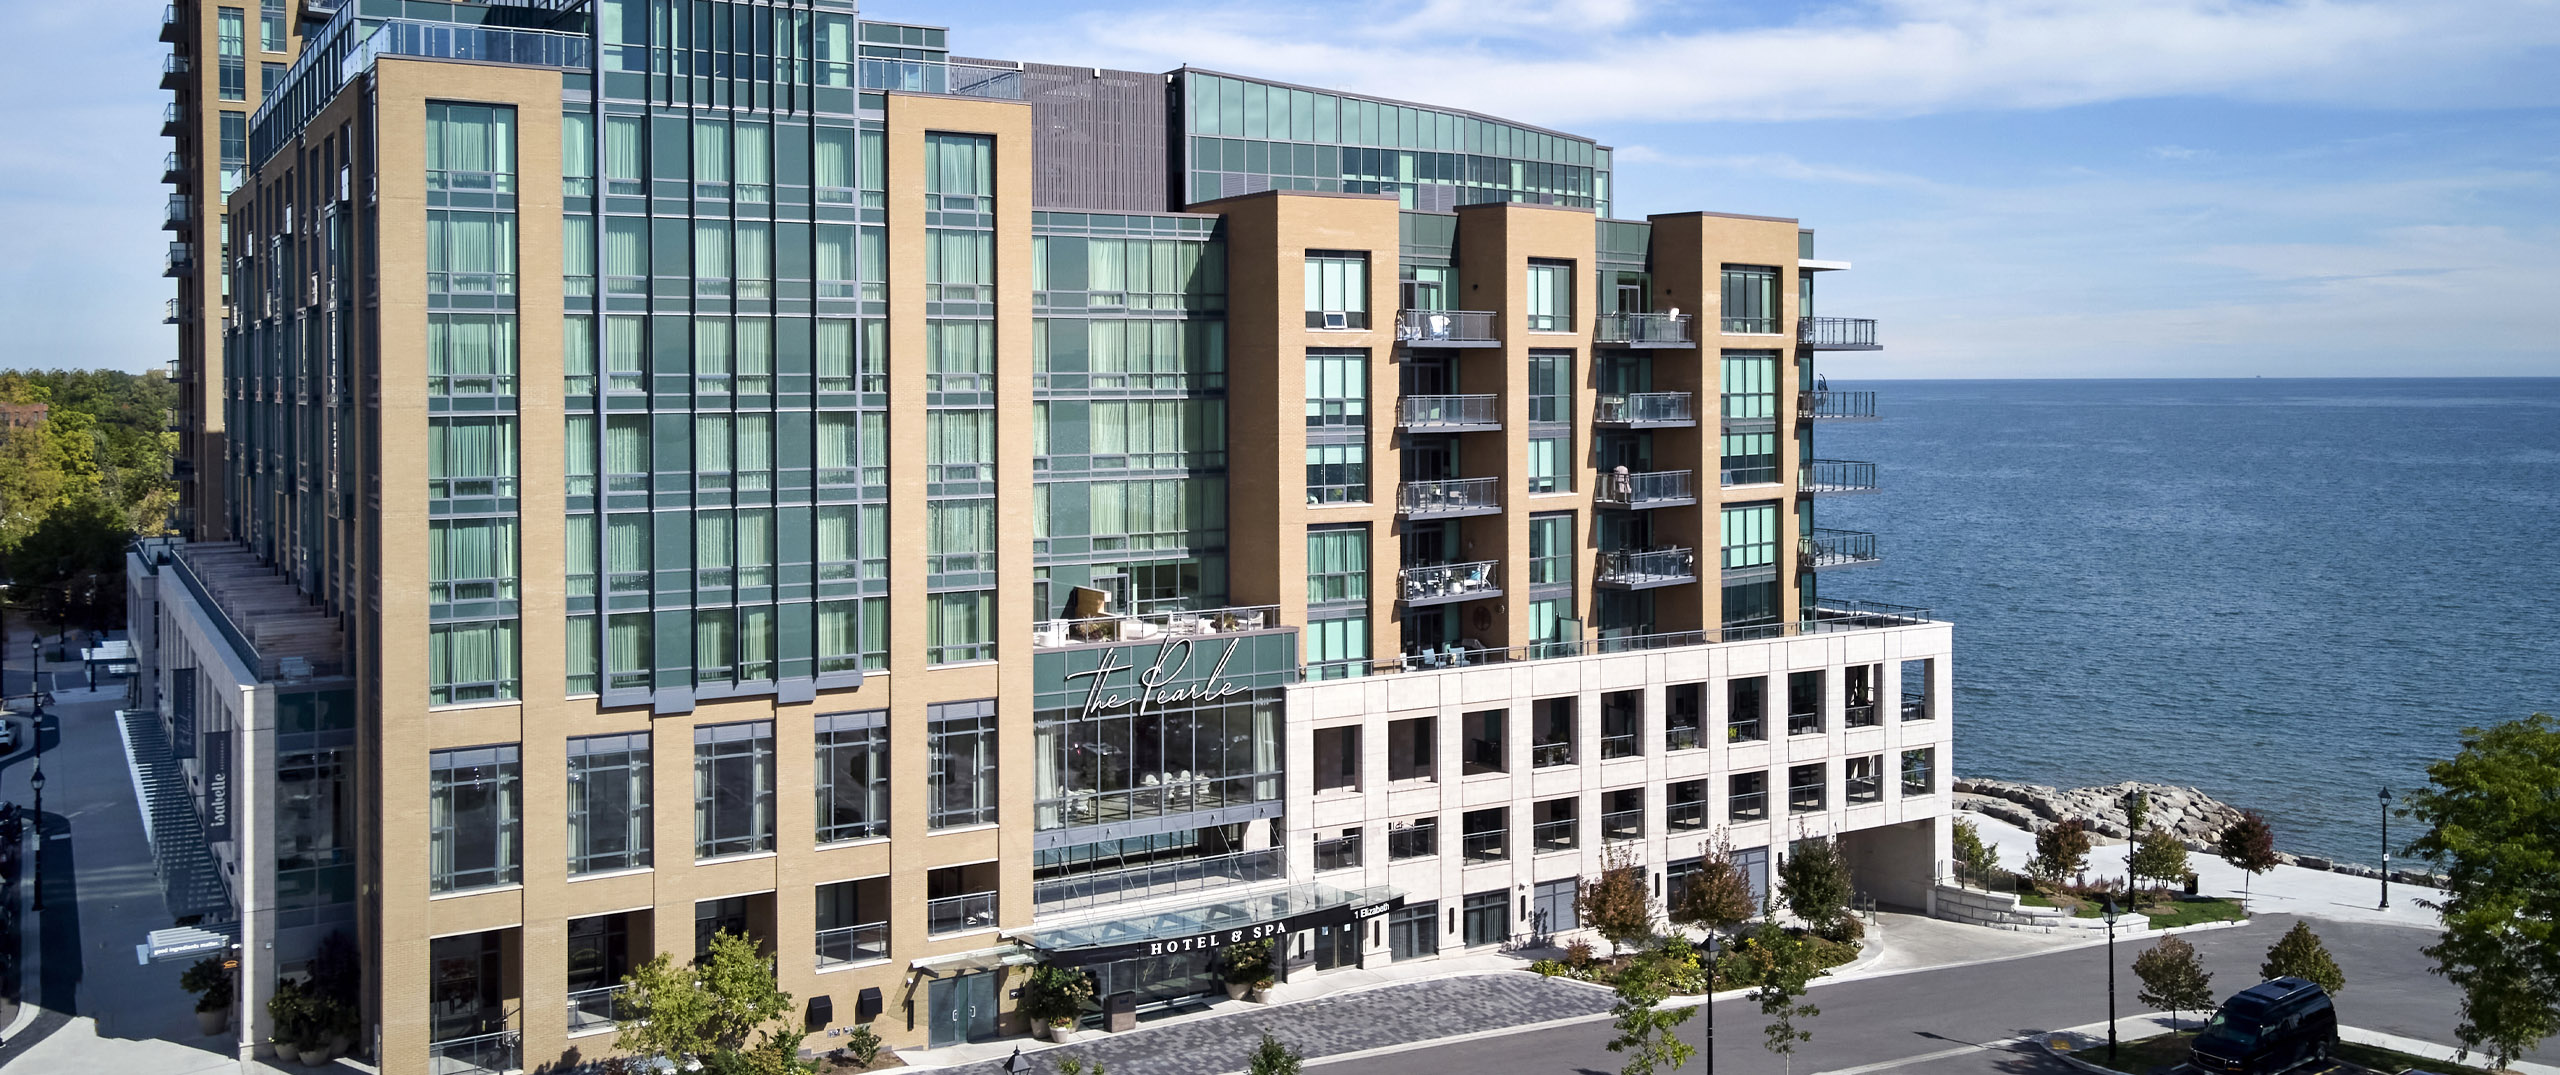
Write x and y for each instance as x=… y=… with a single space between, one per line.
x=1836 y=548
x=1836 y=406
x=1647 y=489
x=927 y=76
x=1447 y=328
x=1836 y=476
x=1648 y=409
x=474 y=44
x=1638 y=570
x=1449 y=497
x=1646 y=330
x=1449 y=414
x=1830 y=616
x=1439 y=584
x=1155 y=624
x=1837 y=333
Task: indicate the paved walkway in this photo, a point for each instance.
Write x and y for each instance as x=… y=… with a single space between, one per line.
x=2283 y=890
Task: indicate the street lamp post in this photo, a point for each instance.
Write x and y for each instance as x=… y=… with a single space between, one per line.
x=2386 y=849
x=35 y=780
x=2108 y=909
x=1711 y=1002
x=35 y=687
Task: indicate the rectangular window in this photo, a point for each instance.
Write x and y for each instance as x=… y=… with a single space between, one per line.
x=1551 y=463
x=1337 y=388
x=1858 y=689
x=853 y=775
x=1917 y=675
x=960 y=738
x=474 y=798
x=960 y=535
x=1750 y=299
x=959 y=266
x=235 y=149
x=1551 y=387
x=960 y=445
x=1337 y=565
x=1750 y=458
x=1684 y=716
x=1750 y=535
x=1862 y=779
x=1337 y=289
x=627 y=654
x=1920 y=771
x=1621 y=723
x=1804 y=703
x=1413 y=749
x=1338 y=473
x=1746 y=704
x=608 y=803
x=471 y=354
x=1415 y=839
x=1750 y=385
x=1337 y=759
x=471 y=560
x=1555 y=825
x=1550 y=295
x=271 y=30
x=230 y=44
x=1551 y=621
x=1338 y=647
x=1685 y=805
x=578 y=367
x=960 y=626
x=1551 y=549
x=1413 y=931
x=471 y=662
x=470 y=148
x=1482 y=743
x=471 y=457
x=1340 y=851
x=270 y=76
x=471 y=253
x=957 y=167
x=578 y=644
x=1806 y=787
x=1488 y=918
x=732 y=789
x=1747 y=797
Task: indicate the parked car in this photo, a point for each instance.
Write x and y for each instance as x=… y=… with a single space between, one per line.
x=8 y=736
x=2268 y=1028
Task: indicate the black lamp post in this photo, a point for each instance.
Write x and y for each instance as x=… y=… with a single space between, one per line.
x=2108 y=909
x=35 y=780
x=35 y=686
x=2386 y=849
x=1711 y=1002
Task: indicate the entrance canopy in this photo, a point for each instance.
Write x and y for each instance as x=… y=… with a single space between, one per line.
x=1199 y=927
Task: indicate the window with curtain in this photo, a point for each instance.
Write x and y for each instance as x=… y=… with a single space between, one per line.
x=732 y=789
x=1337 y=565
x=755 y=452
x=959 y=266
x=1550 y=295
x=756 y=639
x=578 y=355
x=960 y=445
x=711 y=158
x=471 y=253
x=1750 y=535
x=626 y=255
x=1337 y=289
x=838 y=461
x=578 y=648
x=755 y=546
x=873 y=252
x=1338 y=647
x=960 y=626
x=839 y=637
x=711 y=356
x=626 y=552
x=230 y=50
x=1551 y=549
x=875 y=449
x=839 y=549
x=578 y=558
x=715 y=550
x=1337 y=387
x=471 y=147
x=711 y=257
x=471 y=560
x=471 y=457
x=609 y=787
x=834 y=165
x=625 y=355
x=755 y=356
x=835 y=261
x=960 y=788
x=471 y=662
x=960 y=356
x=475 y=800
x=471 y=354
x=835 y=355
x=1551 y=386
x=875 y=634
x=271 y=25
x=578 y=256
x=755 y=259
x=577 y=155
x=714 y=437
x=626 y=453
x=753 y=142
x=1751 y=299
x=627 y=654
x=578 y=455
x=1750 y=385
x=959 y=171
x=622 y=170
x=960 y=535
x=715 y=645
x=853 y=775
x=1551 y=464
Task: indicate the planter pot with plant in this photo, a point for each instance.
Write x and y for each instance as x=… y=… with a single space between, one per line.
x=211 y=983
x=1053 y=998
x=1248 y=969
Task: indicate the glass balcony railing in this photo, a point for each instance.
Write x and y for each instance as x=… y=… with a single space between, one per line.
x=1562 y=834
x=1836 y=548
x=176 y=215
x=1836 y=406
x=955 y=79
x=1439 y=584
x=1488 y=846
x=1748 y=806
x=1837 y=333
x=170 y=118
x=1638 y=570
x=180 y=257
x=1550 y=755
x=1621 y=825
x=853 y=944
x=1449 y=497
x=1915 y=707
x=479 y=1054
x=1640 y=410
x=173 y=70
x=1446 y=328
x=1647 y=489
x=1831 y=476
x=592 y=1010
x=959 y=914
x=1449 y=414
x=1646 y=330
x=172 y=30
x=1690 y=814
x=173 y=313
x=1338 y=853
x=1154 y=623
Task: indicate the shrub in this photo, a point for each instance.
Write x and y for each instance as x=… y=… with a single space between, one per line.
x=211 y=984
x=1580 y=953
x=1053 y=994
x=1249 y=963
x=863 y=1045
x=1269 y=1057
x=1548 y=968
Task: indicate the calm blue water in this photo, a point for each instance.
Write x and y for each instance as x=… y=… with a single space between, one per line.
x=2287 y=592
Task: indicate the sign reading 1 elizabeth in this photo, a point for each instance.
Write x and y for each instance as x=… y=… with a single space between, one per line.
x=1151 y=684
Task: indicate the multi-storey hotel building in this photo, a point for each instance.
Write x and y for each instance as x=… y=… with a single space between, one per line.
x=674 y=467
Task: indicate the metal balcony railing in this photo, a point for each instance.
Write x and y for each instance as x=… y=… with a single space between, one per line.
x=1449 y=414
x=173 y=70
x=1412 y=841
x=1646 y=330
x=1748 y=806
x=171 y=120
x=177 y=214
x=1804 y=798
x=171 y=170
x=181 y=256
x=853 y=944
x=1682 y=737
x=1915 y=707
x=1643 y=410
x=1806 y=723
x=1620 y=745
x=1834 y=476
x=1154 y=624
x=173 y=313
x=1836 y=548
x=1488 y=846
x=1831 y=405
x=1447 y=328
x=955 y=79
x=1756 y=474
x=1858 y=715
x=1691 y=814
x=1619 y=825
x=1628 y=569
x=1864 y=789
x=1647 y=489
x=956 y=914
x=479 y=1054
x=1550 y=755
x=591 y=1010
x=1449 y=497
x=1837 y=333
x=1562 y=834
x=1440 y=584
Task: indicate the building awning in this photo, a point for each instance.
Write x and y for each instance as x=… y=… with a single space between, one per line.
x=976 y=959
x=1216 y=924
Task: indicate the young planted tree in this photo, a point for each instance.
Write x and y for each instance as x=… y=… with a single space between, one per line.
x=2062 y=849
x=1269 y=1057
x=1977 y=858
x=2173 y=978
x=2299 y=954
x=1617 y=903
x=720 y=1013
x=1782 y=967
x=2488 y=814
x=2137 y=810
x=2158 y=856
x=1718 y=894
x=1815 y=881
x=1647 y=1033
x=2249 y=844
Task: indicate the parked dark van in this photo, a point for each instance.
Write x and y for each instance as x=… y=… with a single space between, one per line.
x=2268 y=1028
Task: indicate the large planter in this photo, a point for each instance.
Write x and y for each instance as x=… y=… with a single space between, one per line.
x=213 y=1021
x=314 y=1056
x=1237 y=990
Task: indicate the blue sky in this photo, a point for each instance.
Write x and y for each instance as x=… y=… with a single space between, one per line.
x=2029 y=188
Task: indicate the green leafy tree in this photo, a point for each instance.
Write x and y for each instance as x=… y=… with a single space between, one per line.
x=2488 y=814
x=722 y=1012
x=2250 y=845
x=2158 y=856
x=1269 y=1057
x=1617 y=903
x=2137 y=809
x=1717 y=895
x=1647 y=1033
x=2299 y=954
x=1978 y=859
x=1815 y=880
x=2173 y=978
x=1782 y=968
x=2062 y=849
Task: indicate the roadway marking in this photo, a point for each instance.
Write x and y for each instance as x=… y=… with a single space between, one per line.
x=1923 y=1058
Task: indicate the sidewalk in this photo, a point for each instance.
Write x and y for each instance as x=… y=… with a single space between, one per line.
x=2284 y=890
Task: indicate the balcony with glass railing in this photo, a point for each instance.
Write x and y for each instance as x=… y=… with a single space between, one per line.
x=1836 y=548
x=1647 y=410
x=591 y=1011
x=1562 y=834
x=1837 y=333
x=1830 y=477
x=853 y=944
x=1441 y=584
x=479 y=1054
x=1447 y=328
x=1685 y=814
x=1449 y=414
x=960 y=914
x=181 y=256
x=934 y=76
x=1646 y=330
x=1625 y=569
x=1488 y=845
x=173 y=314
x=172 y=29
x=1148 y=623
x=1619 y=826
x=1639 y=490
x=1449 y=498
x=172 y=120
x=1829 y=405
x=173 y=71
x=173 y=170
x=176 y=215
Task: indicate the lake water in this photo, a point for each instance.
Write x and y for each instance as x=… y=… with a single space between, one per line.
x=2290 y=593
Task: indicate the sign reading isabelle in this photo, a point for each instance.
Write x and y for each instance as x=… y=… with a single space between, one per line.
x=217 y=788
x=1150 y=688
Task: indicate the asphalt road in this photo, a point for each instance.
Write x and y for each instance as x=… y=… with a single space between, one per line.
x=1967 y=1019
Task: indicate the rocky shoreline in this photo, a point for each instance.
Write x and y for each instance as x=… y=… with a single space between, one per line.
x=2194 y=817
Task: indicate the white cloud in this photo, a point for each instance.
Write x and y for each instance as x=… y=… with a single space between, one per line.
x=2179 y=153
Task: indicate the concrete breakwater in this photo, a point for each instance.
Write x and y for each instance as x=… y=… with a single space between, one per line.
x=2192 y=816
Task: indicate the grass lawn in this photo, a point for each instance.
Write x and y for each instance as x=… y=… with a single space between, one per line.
x=2166 y=1050
x=2190 y=911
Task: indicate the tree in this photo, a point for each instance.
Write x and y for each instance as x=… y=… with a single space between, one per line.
x=1617 y=903
x=1978 y=859
x=2299 y=954
x=2062 y=849
x=1272 y=1058
x=1717 y=895
x=1645 y=1031
x=1781 y=970
x=2173 y=978
x=721 y=1012
x=1815 y=881
x=2137 y=810
x=2249 y=844
x=2159 y=856
x=2488 y=814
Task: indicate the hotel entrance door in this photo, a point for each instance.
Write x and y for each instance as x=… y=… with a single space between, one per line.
x=1337 y=946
